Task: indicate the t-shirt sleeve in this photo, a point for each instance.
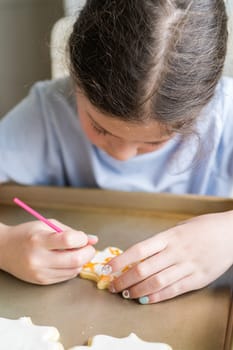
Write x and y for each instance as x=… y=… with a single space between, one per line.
x=23 y=142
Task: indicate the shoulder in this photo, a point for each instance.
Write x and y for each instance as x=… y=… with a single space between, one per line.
x=225 y=85
x=218 y=114
x=225 y=114
x=31 y=133
x=61 y=86
x=45 y=105
x=224 y=95
x=220 y=127
x=34 y=119
x=54 y=91
x=223 y=98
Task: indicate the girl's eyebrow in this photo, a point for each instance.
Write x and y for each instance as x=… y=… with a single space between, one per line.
x=107 y=132
x=100 y=127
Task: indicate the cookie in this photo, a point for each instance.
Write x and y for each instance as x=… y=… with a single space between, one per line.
x=93 y=270
x=105 y=342
x=23 y=334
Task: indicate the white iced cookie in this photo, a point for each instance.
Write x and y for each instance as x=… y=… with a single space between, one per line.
x=22 y=334
x=132 y=342
x=93 y=270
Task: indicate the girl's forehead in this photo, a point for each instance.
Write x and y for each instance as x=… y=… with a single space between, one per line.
x=146 y=131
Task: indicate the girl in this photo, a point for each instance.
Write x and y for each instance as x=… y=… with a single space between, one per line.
x=145 y=109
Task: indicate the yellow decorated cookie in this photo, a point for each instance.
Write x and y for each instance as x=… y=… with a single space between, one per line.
x=93 y=270
x=132 y=342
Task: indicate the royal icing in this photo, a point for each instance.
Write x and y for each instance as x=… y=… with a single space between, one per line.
x=105 y=342
x=93 y=270
x=22 y=334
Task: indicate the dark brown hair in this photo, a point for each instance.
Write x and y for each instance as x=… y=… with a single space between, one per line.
x=149 y=59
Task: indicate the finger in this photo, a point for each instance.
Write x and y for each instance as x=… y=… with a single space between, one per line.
x=70 y=259
x=51 y=276
x=160 y=281
x=178 y=288
x=143 y=270
x=91 y=239
x=57 y=223
x=139 y=252
x=60 y=224
x=64 y=240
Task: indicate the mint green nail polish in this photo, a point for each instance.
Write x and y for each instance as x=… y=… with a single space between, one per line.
x=143 y=300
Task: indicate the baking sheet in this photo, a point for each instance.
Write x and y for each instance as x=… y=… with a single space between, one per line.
x=199 y=320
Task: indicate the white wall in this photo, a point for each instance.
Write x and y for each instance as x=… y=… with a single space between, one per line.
x=25 y=27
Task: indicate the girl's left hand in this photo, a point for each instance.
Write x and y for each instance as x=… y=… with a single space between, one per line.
x=186 y=257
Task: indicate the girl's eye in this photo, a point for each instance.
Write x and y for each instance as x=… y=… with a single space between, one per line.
x=153 y=144
x=159 y=143
x=98 y=130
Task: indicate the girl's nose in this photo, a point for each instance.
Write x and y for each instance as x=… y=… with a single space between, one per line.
x=123 y=152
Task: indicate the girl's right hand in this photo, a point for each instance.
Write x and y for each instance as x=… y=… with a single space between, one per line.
x=34 y=253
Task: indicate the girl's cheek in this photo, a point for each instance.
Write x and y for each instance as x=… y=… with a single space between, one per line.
x=94 y=138
x=89 y=132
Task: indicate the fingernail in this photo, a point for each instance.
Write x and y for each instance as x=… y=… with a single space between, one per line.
x=92 y=239
x=111 y=288
x=143 y=300
x=126 y=294
x=106 y=270
x=92 y=236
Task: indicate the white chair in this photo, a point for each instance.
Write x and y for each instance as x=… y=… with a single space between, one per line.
x=58 y=46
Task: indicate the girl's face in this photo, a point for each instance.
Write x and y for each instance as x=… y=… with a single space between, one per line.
x=121 y=140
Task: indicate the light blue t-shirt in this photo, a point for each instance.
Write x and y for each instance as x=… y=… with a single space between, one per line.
x=42 y=143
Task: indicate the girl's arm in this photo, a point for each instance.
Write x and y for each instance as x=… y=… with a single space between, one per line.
x=186 y=257
x=34 y=253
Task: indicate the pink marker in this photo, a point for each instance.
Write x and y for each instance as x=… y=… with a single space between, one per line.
x=92 y=239
x=36 y=214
